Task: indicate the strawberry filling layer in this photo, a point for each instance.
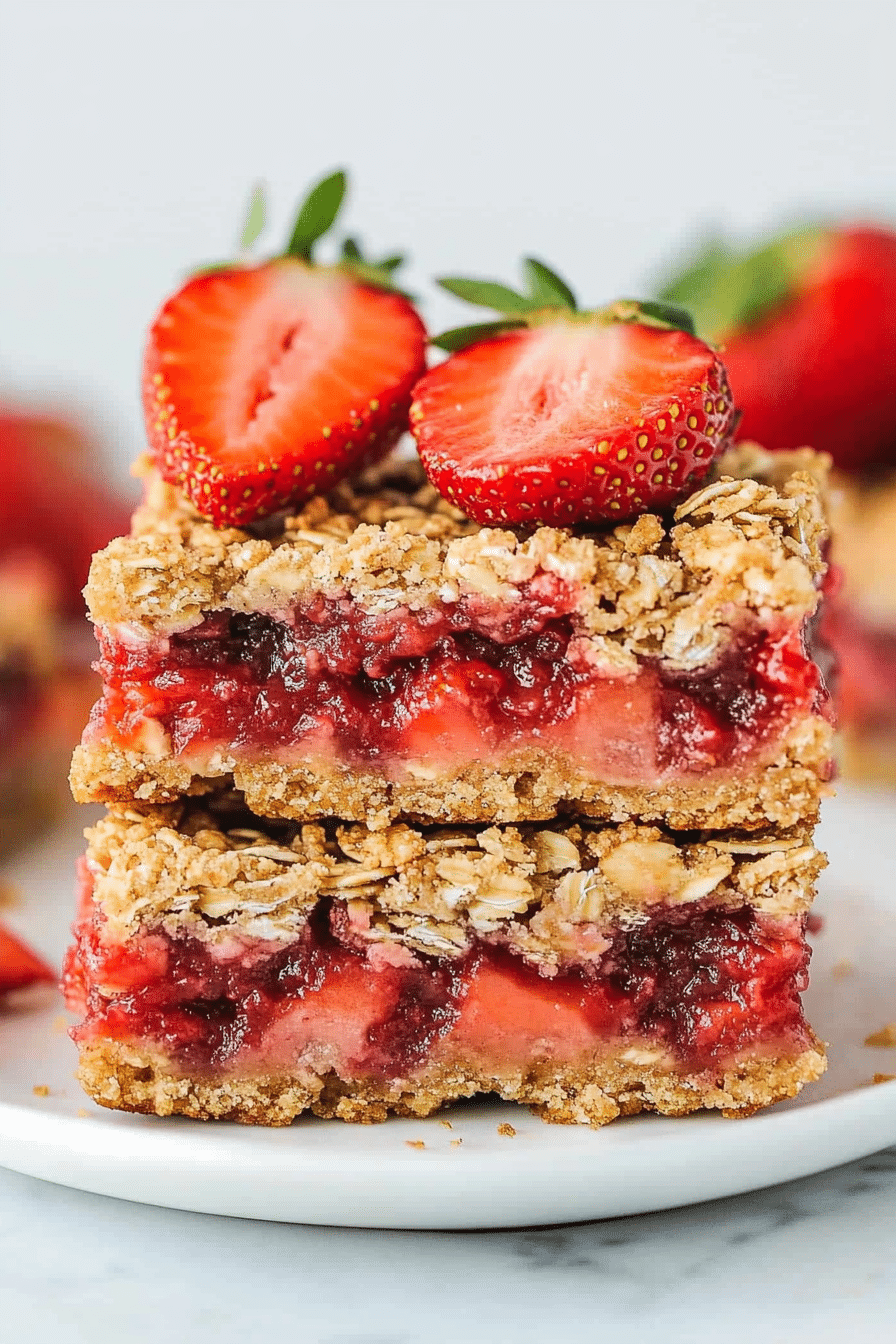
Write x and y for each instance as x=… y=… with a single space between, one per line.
x=452 y=684
x=698 y=988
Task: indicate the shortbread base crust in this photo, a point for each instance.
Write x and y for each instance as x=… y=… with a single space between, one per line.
x=131 y=1078
x=532 y=784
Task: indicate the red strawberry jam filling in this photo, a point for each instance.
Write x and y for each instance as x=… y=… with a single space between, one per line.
x=699 y=986
x=456 y=683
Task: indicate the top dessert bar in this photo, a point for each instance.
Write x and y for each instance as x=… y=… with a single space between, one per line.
x=377 y=656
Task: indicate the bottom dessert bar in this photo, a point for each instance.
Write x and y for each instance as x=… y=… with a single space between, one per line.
x=229 y=967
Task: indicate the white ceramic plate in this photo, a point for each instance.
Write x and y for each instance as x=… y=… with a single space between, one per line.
x=379 y=1176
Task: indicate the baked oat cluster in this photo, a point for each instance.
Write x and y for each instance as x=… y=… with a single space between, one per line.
x=423 y=784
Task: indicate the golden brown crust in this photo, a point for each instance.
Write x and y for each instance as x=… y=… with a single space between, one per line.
x=739 y=548
x=530 y=784
x=125 y=1077
x=547 y=892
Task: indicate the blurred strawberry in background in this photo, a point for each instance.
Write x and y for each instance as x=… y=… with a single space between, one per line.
x=808 y=327
x=52 y=499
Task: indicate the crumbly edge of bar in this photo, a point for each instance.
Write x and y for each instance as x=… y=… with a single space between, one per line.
x=749 y=542
x=530 y=784
x=546 y=892
x=131 y=1078
x=863 y=544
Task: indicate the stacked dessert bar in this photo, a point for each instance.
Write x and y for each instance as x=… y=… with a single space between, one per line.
x=405 y=806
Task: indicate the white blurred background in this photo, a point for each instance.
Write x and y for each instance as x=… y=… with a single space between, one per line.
x=599 y=136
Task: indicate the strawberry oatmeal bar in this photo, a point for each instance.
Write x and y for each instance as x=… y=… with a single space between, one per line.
x=229 y=966
x=377 y=656
x=492 y=772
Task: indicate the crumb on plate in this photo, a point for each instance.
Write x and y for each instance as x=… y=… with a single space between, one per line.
x=885 y=1039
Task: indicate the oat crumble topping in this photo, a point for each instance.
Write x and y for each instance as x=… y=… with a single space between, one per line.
x=750 y=541
x=547 y=891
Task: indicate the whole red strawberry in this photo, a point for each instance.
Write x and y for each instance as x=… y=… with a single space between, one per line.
x=557 y=416
x=266 y=384
x=808 y=329
x=50 y=503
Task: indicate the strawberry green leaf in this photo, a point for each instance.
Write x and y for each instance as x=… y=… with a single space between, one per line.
x=548 y=290
x=488 y=294
x=669 y=314
x=371 y=273
x=726 y=290
x=317 y=215
x=256 y=218
x=694 y=287
x=458 y=338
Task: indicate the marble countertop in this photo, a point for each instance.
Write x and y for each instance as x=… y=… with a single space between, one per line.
x=811 y=1261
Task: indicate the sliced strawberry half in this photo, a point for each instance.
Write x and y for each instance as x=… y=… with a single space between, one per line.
x=562 y=417
x=266 y=384
x=19 y=966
